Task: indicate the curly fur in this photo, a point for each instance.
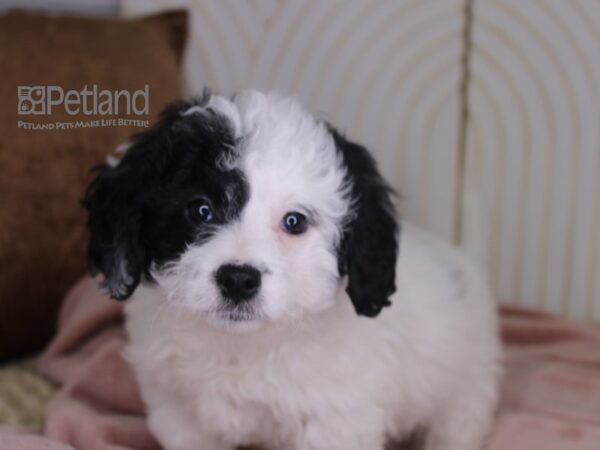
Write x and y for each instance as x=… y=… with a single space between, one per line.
x=347 y=343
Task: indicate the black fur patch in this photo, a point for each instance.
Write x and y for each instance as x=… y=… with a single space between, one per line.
x=138 y=210
x=369 y=246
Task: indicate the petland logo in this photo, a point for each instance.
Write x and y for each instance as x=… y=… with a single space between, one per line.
x=44 y=100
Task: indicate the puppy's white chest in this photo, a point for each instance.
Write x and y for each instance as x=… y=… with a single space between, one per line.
x=230 y=397
x=236 y=412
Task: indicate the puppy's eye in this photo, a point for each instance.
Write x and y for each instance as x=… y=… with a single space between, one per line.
x=294 y=223
x=200 y=211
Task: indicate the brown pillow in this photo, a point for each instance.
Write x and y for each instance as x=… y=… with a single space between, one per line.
x=43 y=173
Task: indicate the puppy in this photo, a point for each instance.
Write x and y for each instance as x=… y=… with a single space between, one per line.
x=269 y=303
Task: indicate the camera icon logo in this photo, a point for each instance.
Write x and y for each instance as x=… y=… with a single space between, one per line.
x=31 y=100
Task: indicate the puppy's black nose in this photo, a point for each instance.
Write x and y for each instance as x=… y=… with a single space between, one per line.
x=238 y=283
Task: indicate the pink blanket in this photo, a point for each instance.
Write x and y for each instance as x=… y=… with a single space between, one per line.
x=550 y=394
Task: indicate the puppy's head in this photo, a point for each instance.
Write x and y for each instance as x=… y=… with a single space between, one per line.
x=246 y=211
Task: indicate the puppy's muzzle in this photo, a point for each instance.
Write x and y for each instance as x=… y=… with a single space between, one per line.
x=238 y=283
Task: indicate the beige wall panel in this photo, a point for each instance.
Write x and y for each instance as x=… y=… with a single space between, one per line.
x=534 y=141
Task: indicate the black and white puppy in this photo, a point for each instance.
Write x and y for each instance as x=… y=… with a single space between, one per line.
x=257 y=245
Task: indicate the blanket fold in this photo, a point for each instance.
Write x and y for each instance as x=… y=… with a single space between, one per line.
x=99 y=406
x=550 y=396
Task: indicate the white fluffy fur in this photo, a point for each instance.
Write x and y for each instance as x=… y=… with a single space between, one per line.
x=305 y=372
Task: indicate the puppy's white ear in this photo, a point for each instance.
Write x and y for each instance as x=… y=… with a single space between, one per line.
x=369 y=246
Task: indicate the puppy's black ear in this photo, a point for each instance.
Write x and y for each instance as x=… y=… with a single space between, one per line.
x=115 y=201
x=369 y=246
